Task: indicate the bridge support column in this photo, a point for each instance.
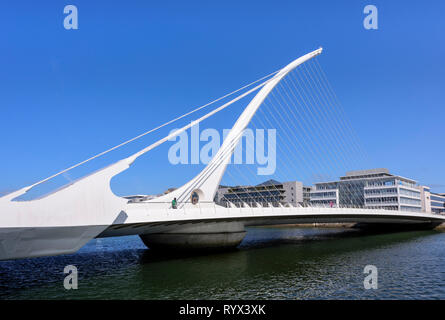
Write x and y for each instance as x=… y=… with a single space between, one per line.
x=201 y=236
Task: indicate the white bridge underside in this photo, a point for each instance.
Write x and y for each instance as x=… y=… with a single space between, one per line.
x=65 y=220
x=174 y=220
x=42 y=241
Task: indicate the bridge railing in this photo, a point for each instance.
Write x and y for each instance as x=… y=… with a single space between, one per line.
x=208 y=209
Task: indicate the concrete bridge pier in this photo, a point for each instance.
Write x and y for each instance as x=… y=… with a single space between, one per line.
x=199 y=236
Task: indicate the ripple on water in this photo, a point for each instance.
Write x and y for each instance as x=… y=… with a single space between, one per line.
x=271 y=263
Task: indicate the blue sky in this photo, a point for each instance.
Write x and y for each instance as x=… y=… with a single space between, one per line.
x=68 y=94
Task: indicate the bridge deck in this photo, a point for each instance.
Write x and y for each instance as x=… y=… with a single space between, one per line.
x=139 y=218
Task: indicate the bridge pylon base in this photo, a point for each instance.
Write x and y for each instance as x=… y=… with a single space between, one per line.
x=213 y=236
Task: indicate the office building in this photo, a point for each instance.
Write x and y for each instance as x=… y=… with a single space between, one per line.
x=373 y=189
x=269 y=193
x=437 y=203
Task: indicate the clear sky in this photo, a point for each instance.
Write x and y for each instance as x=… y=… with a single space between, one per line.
x=68 y=94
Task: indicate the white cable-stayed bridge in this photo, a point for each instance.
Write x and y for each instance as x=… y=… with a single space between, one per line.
x=66 y=219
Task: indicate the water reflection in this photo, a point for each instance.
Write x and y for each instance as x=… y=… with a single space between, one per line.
x=271 y=263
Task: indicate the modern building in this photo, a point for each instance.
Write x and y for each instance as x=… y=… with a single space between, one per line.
x=306 y=195
x=139 y=198
x=144 y=197
x=269 y=193
x=437 y=201
x=374 y=189
x=425 y=199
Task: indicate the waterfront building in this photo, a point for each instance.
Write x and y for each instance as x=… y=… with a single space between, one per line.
x=306 y=195
x=146 y=197
x=269 y=193
x=373 y=189
x=138 y=198
x=437 y=202
x=425 y=199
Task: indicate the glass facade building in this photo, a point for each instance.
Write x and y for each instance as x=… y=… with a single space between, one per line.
x=437 y=203
x=373 y=189
x=269 y=193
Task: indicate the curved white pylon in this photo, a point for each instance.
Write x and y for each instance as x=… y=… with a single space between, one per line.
x=207 y=181
x=66 y=219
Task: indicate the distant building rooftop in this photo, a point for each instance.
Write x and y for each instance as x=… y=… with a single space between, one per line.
x=139 y=197
x=135 y=196
x=269 y=182
x=367 y=172
x=373 y=173
x=438 y=194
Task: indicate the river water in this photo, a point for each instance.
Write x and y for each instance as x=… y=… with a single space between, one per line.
x=271 y=263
